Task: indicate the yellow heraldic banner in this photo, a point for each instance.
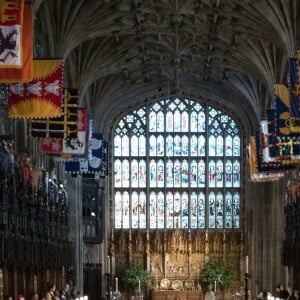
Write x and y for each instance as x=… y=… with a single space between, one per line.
x=42 y=97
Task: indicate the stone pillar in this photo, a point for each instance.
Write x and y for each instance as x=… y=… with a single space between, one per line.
x=265 y=232
x=76 y=234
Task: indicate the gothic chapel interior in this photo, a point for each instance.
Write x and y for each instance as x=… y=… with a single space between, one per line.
x=175 y=143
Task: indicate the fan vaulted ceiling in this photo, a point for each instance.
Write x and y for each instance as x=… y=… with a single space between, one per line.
x=121 y=53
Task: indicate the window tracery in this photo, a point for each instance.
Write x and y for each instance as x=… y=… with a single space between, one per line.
x=177 y=165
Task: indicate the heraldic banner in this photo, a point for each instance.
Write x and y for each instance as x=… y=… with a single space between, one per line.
x=15 y=41
x=42 y=97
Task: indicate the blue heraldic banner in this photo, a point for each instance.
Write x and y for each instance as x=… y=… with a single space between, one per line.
x=91 y=164
x=294 y=95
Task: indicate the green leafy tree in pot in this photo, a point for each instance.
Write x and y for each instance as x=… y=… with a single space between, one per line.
x=215 y=272
x=134 y=276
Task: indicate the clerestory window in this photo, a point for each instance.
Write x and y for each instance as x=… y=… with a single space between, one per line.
x=177 y=164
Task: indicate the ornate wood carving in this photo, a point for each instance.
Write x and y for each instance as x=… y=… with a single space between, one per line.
x=176 y=254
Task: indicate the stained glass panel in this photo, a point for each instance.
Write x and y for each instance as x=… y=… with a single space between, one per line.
x=177 y=174
x=185 y=122
x=170 y=210
x=185 y=145
x=134 y=146
x=142 y=145
x=212 y=173
x=236 y=210
x=142 y=210
x=125 y=146
x=117 y=145
x=228 y=210
x=201 y=210
x=193 y=210
x=228 y=173
x=118 y=173
x=236 y=174
x=228 y=145
x=152 y=145
x=236 y=146
x=152 y=173
x=169 y=146
x=153 y=210
x=219 y=146
x=169 y=176
x=170 y=123
x=212 y=210
x=201 y=146
x=177 y=121
x=219 y=210
x=125 y=211
x=135 y=210
x=212 y=146
x=219 y=173
x=177 y=145
x=185 y=210
x=202 y=174
x=125 y=173
x=160 y=210
x=194 y=122
x=160 y=121
x=194 y=145
x=160 y=173
x=134 y=173
x=193 y=173
x=152 y=121
x=185 y=173
x=142 y=174
x=160 y=146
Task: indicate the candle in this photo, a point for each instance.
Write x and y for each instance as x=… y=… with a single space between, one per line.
x=247 y=264
x=116 y=283
x=108 y=264
x=215 y=285
x=139 y=286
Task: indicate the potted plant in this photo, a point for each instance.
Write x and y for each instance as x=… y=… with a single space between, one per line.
x=135 y=277
x=215 y=273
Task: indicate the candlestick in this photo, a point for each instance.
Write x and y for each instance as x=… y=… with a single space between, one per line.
x=139 y=286
x=246 y=291
x=247 y=264
x=116 y=283
x=215 y=286
x=108 y=264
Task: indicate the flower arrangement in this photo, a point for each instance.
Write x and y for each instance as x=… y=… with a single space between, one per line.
x=135 y=276
x=215 y=273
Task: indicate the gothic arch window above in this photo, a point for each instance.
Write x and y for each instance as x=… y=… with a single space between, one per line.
x=177 y=164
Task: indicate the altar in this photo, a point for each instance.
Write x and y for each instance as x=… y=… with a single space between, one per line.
x=177 y=295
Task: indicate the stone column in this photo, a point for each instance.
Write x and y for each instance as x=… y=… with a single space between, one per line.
x=76 y=234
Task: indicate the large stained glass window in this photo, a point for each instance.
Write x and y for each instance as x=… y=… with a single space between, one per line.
x=177 y=164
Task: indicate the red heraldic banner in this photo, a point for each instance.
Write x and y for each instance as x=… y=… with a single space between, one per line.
x=15 y=41
x=42 y=97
